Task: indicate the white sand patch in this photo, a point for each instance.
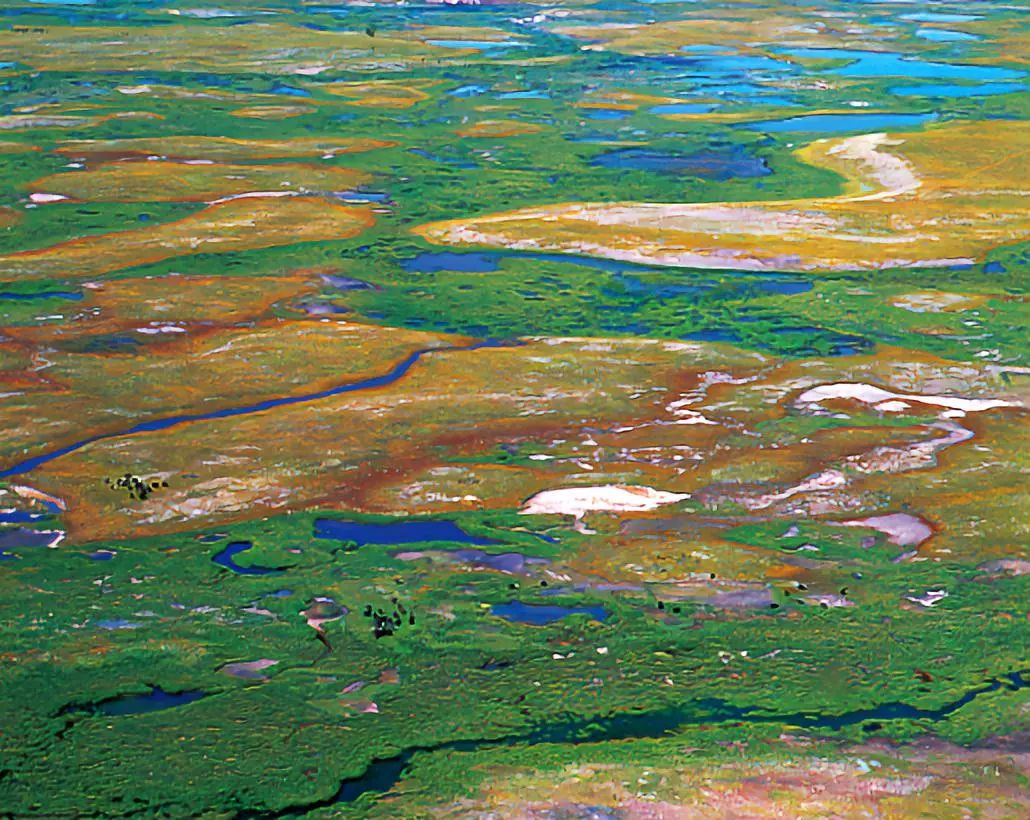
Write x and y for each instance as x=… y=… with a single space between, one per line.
x=929 y=598
x=577 y=501
x=826 y=480
x=254 y=195
x=888 y=170
x=869 y=394
x=900 y=528
x=930 y=302
x=893 y=406
x=41 y=198
x=23 y=491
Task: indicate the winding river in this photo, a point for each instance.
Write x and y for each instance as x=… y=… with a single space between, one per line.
x=397 y=372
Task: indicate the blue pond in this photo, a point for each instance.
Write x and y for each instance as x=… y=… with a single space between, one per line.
x=940 y=35
x=682 y=108
x=156 y=700
x=469 y=90
x=785 y=287
x=24 y=538
x=397 y=532
x=712 y=67
x=19 y=517
x=45 y=294
x=720 y=165
x=483 y=45
x=435 y=261
x=889 y=64
x=832 y=123
x=452 y=161
x=226 y=557
x=530 y=94
x=362 y=196
x=291 y=91
x=606 y=114
x=944 y=90
x=939 y=17
x=542 y=614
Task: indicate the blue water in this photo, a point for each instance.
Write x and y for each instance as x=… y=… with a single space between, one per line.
x=714 y=334
x=383 y=774
x=939 y=17
x=410 y=531
x=834 y=123
x=156 y=700
x=542 y=614
x=291 y=91
x=24 y=538
x=785 y=287
x=531 y=94
x=362 y=196
x=397 y=372
x=19 y=517
x=742 y=89
x=45 y=294
x=735 y=64
x=469 y=90
x=940 y=35
x=889 y=64
x=660 y=290
x=682 y=108
x=606 y=114
x=489 y=262
x=735 y=162
x=452 y=161
x=944 y=90
x=483 y=45
x=226 y=556
x=435 y=261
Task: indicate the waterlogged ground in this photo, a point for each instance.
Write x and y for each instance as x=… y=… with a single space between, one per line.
x=614 y=410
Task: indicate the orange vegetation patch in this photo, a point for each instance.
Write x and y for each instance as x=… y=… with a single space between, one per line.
x=270 y=48
x=164 y=181
x=499 y=128
x=237 y=225
x=935 y=301
x=217 y=148
x=8 y=216
x=215 y=300
x=25 y=122
x=196 y=368
x=459 y=33
x=662 y=414
x=273 y=112
x=729 y=27
x=7 y=147
x=623 y=100
x=796 y=778
x=382 y=93
x=943 y=196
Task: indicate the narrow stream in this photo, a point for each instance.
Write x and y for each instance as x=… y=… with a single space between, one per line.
x=163 y=423
x=382 y=775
